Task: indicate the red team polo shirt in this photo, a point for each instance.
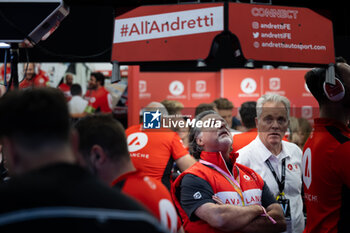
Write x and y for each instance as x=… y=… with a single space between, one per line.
x=153 y=195
x=242 y=139
x=153 y=151
x=102 y=100
x=2 y=73
x=89 y=94
x=66 y=90
x=40 y=80
x=326 y=175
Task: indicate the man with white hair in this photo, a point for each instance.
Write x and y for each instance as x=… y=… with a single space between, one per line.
x=154 y=151
x=277 y=161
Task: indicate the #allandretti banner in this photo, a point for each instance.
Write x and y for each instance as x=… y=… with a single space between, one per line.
x=167 y=32
x=186 y=32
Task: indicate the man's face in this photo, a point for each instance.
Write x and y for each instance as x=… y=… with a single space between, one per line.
x=272 y=124
x=215 y=139
x=69 y=79
x=92 y=83
x=30 y=71
x=226 y=114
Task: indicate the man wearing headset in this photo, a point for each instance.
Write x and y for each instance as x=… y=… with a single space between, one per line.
x=326 y=155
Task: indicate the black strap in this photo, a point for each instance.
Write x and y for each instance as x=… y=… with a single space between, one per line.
x=283 y=176
x=337 y=134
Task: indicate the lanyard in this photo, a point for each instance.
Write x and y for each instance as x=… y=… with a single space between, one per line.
x=229 y=177
x=283 y=176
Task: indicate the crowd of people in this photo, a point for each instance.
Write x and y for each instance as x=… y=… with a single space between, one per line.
x=262 y=170
x=96 y=99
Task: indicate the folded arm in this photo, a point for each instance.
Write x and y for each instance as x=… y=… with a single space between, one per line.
x=228 y=217
x=273 y=209
x=263 y=224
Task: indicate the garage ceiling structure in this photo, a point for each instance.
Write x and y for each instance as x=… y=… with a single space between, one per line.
x=86 y=34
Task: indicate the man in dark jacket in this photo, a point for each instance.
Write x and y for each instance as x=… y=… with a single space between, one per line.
x=48 y=191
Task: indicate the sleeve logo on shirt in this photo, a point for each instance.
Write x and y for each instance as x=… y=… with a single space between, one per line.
x=197 y=195
x=307 y=175
x=92 y=100
x=246 y=177
x=151 y=120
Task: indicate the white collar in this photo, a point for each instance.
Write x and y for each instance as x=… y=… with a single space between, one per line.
x=265 y=154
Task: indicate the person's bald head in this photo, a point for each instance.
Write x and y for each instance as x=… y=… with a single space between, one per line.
x=154 y=106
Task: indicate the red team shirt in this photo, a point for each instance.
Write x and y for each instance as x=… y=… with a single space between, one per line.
x=2 y=79
x=154 y=152
x=326 y=176
x=153 y=195
x=2 y=73
x=242 y=139
x=40 y=80
x=89 y=94
x=66 y=90
x=101 y=99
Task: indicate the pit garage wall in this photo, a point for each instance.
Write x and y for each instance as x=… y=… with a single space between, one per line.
x=238 y=85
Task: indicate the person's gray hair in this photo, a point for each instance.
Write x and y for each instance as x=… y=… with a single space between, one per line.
x=194 y=148
x=275 y=98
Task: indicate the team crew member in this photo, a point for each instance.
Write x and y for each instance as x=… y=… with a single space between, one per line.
x=48 y=191
x=154 y=151
x=277 y=161
x=91 y=88
x=2 y=73
x=247 y=112
x=34 y=77
x=66 y=85
x=326 y=159
x=154 y=196
x=111 y=162
x=101 y=99
x=245 y=203
x=3 y=85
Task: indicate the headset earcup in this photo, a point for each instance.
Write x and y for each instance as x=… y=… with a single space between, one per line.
x=335 y=92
